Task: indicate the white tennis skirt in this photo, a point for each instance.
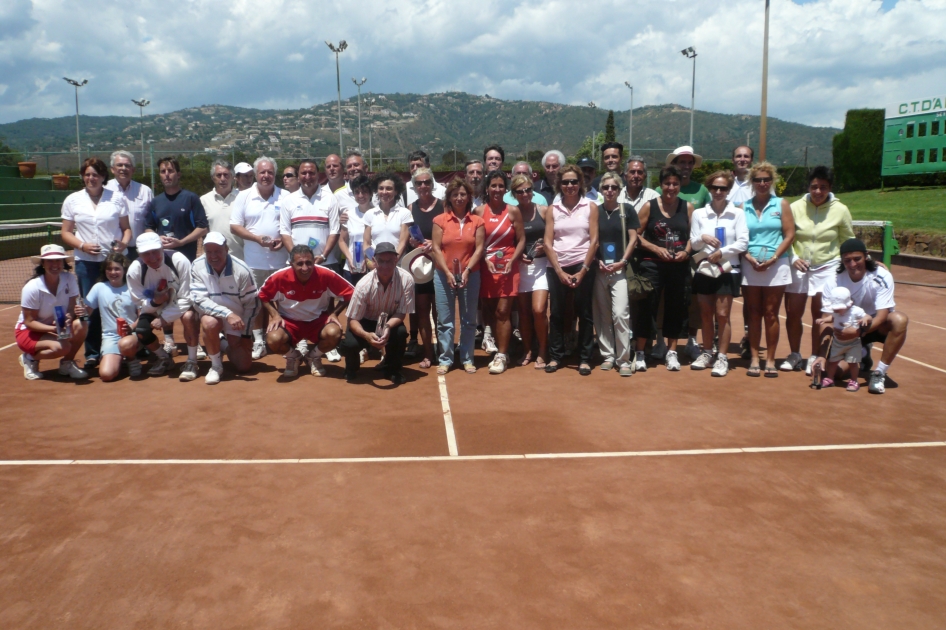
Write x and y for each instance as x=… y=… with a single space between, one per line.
x=812 y=281
x=532 y=277
x=778 y=275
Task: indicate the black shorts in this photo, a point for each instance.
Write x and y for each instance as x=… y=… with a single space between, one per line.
x=874 y=337
x=424 y=288
x=725 y=284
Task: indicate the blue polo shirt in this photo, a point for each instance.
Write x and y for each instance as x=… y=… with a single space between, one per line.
x=765 y=230
x=177 y=215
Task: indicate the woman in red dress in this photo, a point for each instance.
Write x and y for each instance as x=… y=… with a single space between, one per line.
x=499 y=270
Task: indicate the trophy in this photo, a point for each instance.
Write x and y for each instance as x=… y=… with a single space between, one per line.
x=532 y=250
x=498 y=263
x=816 y=375
x=85 y=313
x=670 y=242
x=358 y=255
x=267 y=242
x=763 y=254
x=63 y=330
x=313 y=244
x=415 y=233
x=806 y=256
x=457 y=274
x=609 y=253
x=721 y=236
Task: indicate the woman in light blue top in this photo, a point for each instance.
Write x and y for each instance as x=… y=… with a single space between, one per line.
x=110 y=296
x=766 y=271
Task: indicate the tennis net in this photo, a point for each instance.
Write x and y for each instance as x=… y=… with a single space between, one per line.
x=19 y=241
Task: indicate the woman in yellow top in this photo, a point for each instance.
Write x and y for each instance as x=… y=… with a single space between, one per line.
x=822 y=223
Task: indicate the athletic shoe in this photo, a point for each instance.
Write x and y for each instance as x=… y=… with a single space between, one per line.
x=853 y=386
x=810 y=364
x=314 y=357
x=134 y=367
x=362 y=356
x=489 y=344
x=791 y=363
x=659 y=351
x=333 y=356
x=640 y=363
x=607 y=366
x=213 y=375
x=693 y=349
x=189 y=371
x=721 y=367
x=30 y=368
x=498 y=364
x=673 y=364
x=745 y=352
x=70 y=369
x=201 y=353
x=876 y=385
x=91 y=363
x=170 y=347
x=351 y=376
x=292 y=365
x=703 y=362
x=397 y=378
x=626 y=370
x=160 y=366
x=867 y=363
x=259 y=350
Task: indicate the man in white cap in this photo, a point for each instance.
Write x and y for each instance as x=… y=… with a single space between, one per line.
x=159 y=283
x=387 y=289
x=137 y=196
x=217 y=204
x=224 y=295
x=244 y=176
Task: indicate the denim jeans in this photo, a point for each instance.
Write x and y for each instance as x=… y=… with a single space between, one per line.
x=87 y=273
x=446 y=299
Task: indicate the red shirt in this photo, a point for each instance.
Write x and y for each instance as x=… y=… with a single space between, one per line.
x=304 y=302
x=458 y=242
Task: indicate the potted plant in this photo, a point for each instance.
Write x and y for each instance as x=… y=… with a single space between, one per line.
x=27 y=169
x=60 y=181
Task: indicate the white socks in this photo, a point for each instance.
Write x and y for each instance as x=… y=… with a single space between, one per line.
x=257 y=334
x=216 y=361
x=191 y=353
x=882 y=368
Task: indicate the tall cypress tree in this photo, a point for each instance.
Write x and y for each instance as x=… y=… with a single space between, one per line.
x=609 y=127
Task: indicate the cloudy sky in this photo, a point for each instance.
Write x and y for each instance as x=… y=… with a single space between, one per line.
x=826 y=56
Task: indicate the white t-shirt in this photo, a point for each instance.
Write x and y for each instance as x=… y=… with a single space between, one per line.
x=356 y=230
x=95 y=224
x=261 y=217
x=138 y=198
x=740 y=192
x=387 y=229
x=35 y=295
x=311 y=220
x=872 y=293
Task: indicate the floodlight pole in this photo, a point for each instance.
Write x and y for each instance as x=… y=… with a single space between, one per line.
x=363 y=79
x=594 y=111
x=342 y=45
x=690 y=53
x=77 y=85
x=141 y=103
x=370 y=102
x=763 y=121
x=630 y=133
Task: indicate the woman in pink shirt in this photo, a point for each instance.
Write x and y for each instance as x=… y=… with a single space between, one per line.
x=571 y=226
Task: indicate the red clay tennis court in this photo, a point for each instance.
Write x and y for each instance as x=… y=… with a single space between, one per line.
x=663 y=500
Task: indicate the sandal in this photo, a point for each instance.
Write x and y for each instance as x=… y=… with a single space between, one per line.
x=526 y=360
x=753 y=371
x=771 y=372
x=442 y=370
x=853 y=386
x=584 y=369
x=425 y=364
x=552 y=367
x=539 y=363
x=827 y=382
x=469 y=368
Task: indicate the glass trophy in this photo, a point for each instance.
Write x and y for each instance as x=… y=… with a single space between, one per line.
x=498 y=263
x=85 y=313
x=415 y=233
x=806 y=256
x=267 y=242
x=670 y=242
x=763 y=254
x=721 y=236
x=533 y=250
x=63 y=330
x=457 y=274
x=358 y=255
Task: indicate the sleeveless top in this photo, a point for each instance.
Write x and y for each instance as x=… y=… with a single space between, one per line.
x=500 y=234
x=425 y=220
x=534 y=230
x=659 y=227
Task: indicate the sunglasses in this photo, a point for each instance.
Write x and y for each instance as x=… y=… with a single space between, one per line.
x=423 y=182
x=569 y=182
x=761 y=180
x=611 y=187
x=288 y=175
x=523 y=191
x=719 y=188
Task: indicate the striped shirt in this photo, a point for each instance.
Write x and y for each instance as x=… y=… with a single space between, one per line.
x=371 y=298
x=219 y=295
x=304 y=302
x=311 y=220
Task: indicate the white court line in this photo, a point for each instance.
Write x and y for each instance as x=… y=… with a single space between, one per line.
x=447 y=416
x=880 y=349
x=925 y=324
x=9 y=307
x=469 y=458
x=9 y=345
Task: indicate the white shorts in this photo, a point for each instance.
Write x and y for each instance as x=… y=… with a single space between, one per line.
x=778 y=275
x=847 y=351
x=812 y=281
x=532 y=277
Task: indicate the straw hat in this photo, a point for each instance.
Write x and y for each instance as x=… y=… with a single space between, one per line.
x=419 y=264
x=51 y=252
x=685 y=150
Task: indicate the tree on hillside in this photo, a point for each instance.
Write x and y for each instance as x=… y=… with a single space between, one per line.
x=609 y=127
x=585 y=149
x=453 y=157
x=9 y=156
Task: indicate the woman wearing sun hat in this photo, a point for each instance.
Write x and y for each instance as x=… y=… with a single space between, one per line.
x=419 y=263
x=50 y=325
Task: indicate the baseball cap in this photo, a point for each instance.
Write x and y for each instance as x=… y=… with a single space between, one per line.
x=148 y=241
x=587 y=162
x=685 y=150
x=384 y=248
x=215 y=238
x=242 y=167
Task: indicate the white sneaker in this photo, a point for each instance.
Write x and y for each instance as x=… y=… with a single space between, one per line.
x=315 y=366
x=810 y=364
x=292 y=364
x=170 y=347
x=693 y=349
x=201 y=353
x=640 y=362
x=259 y=350
x=498 y=364
x=721 y=367
x=70 y=369
x=160 y=366
x=134 y=368
x=792 y=362
x=333 y=356
x=213 y=375
x=704 y=361
x=30 y=368
x=363 y=356
x=673 y=364
x=489 y=344
x=189 y=371
x=876 y=384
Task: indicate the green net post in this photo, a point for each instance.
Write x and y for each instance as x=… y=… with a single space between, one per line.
x=891 y=246
x=49 y=234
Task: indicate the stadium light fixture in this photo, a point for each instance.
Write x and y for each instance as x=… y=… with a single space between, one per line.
x=690 y=53
x=141 y=103
x=77 y=85
x=359 y=84
x=342 y=45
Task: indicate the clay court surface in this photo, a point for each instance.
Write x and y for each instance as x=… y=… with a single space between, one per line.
x=659 y=501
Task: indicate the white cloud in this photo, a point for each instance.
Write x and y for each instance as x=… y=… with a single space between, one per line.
x=825 y=56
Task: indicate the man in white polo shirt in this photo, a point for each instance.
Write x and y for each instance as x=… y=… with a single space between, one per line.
x=224 y=294
x=254 y=217
x=309 y=216
x=137 y=196
x=742 y=187
x=217 y=205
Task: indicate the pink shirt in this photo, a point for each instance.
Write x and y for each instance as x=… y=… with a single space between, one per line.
x=572 y=232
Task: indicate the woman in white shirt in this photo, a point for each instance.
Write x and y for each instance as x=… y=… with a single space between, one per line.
x=718 y=279
x=353 y=230
x=94 y=223
x=387 y=223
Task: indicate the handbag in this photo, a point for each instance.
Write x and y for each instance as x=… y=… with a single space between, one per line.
x=637 y=285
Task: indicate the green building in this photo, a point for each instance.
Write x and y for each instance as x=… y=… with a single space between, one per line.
x=915 y=137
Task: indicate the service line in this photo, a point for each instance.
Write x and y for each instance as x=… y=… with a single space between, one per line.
x=471 y=458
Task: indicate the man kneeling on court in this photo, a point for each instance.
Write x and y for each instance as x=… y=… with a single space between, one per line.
x=297 y=299
x=387 y=289
x=224 y=295
x=159 y=283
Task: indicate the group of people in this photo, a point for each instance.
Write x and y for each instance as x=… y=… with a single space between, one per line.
x=563 y=263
